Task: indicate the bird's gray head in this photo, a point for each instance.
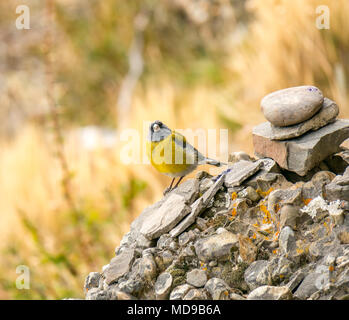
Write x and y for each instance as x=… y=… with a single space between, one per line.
x=158 y=131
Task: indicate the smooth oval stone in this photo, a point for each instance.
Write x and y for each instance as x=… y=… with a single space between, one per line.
x=291 y=106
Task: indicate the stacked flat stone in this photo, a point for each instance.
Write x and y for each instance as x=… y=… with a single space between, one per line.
x=302 y=129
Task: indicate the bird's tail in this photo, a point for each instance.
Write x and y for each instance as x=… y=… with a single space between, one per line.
x=214 y=162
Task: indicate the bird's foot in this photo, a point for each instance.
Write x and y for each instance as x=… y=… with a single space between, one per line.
x=167 y=190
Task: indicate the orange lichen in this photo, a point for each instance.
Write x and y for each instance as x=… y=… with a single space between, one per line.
x=234 y=195
x=263 y=194
x=267 y=215
x=331 y=268
x=306 y=201
x=276 y=236
x=299 y=250
x=234 y=212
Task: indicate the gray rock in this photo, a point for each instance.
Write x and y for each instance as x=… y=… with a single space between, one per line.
x=270 y=293
x=235 y=296
x=198 y=206
x=205 y=184
x=301 y=154
x=216 y=247
x=240 y=171
x=147 y=268
x=188 y=252
x=343 y=234
x=327 y=114
x=119 y=265
x=296 y=279
x=338 y=188
x=342 y=180
x=166 y=259
x=311 y=283
x=280 y=269
x=186 y=237
x=343 y=279
x=279 y=198
x=189 y=190
x=164 y=241
x=292 y=105
x=164 y=218
x=287 y=240
x=163 y=286
x=342 y=261
x=289 y=215
x=135 y=240
x=117 y=294
x=179 y=292
x=201 y=223
x=266 y=181
x=315 y=187
x=197 y=278
x=334 y=192
x=145 y=215
x=268 y=166
x=237 y=156
x=97 y=294
x=249 y=193
x=338 y=162
x=92 y=280
x=196 y=294
x=257 y=274
x=218 y=289
x=132 y=286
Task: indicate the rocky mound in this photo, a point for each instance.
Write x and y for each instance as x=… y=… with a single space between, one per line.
x=262 y=229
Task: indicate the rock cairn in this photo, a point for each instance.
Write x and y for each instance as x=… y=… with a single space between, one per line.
x=276 y=227
x=302 y=129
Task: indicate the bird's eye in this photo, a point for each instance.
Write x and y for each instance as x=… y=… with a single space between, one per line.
x=156 y=127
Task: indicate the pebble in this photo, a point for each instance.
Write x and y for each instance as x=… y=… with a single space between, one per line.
x=218 y=289
x=216 y=247
x=163 y=285
x=327 y=114
x=270 y=293
x=196 y=294
x=287 y=240
x=179 y=292
x=257 y=274
x=288 y=216
x=197 y=278
x=290 y=106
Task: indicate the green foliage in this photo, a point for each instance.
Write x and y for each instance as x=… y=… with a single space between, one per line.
x=130 y=191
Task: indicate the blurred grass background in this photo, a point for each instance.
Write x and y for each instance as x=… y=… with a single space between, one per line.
x=196 y=64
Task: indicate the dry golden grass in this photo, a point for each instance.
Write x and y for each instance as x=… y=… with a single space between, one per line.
x=282 y=48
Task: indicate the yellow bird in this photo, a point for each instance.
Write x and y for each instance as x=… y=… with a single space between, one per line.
x=172 y=155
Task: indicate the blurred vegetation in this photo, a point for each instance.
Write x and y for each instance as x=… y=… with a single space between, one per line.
x=100 y=33
x=207 y=64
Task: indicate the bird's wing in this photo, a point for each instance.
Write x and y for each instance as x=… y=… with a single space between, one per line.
x=191 y=151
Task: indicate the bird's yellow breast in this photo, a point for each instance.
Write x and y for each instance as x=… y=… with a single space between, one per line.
x=168 y=157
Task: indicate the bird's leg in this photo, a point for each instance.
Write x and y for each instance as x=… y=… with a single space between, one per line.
x=180 y=179
x=167 y=190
